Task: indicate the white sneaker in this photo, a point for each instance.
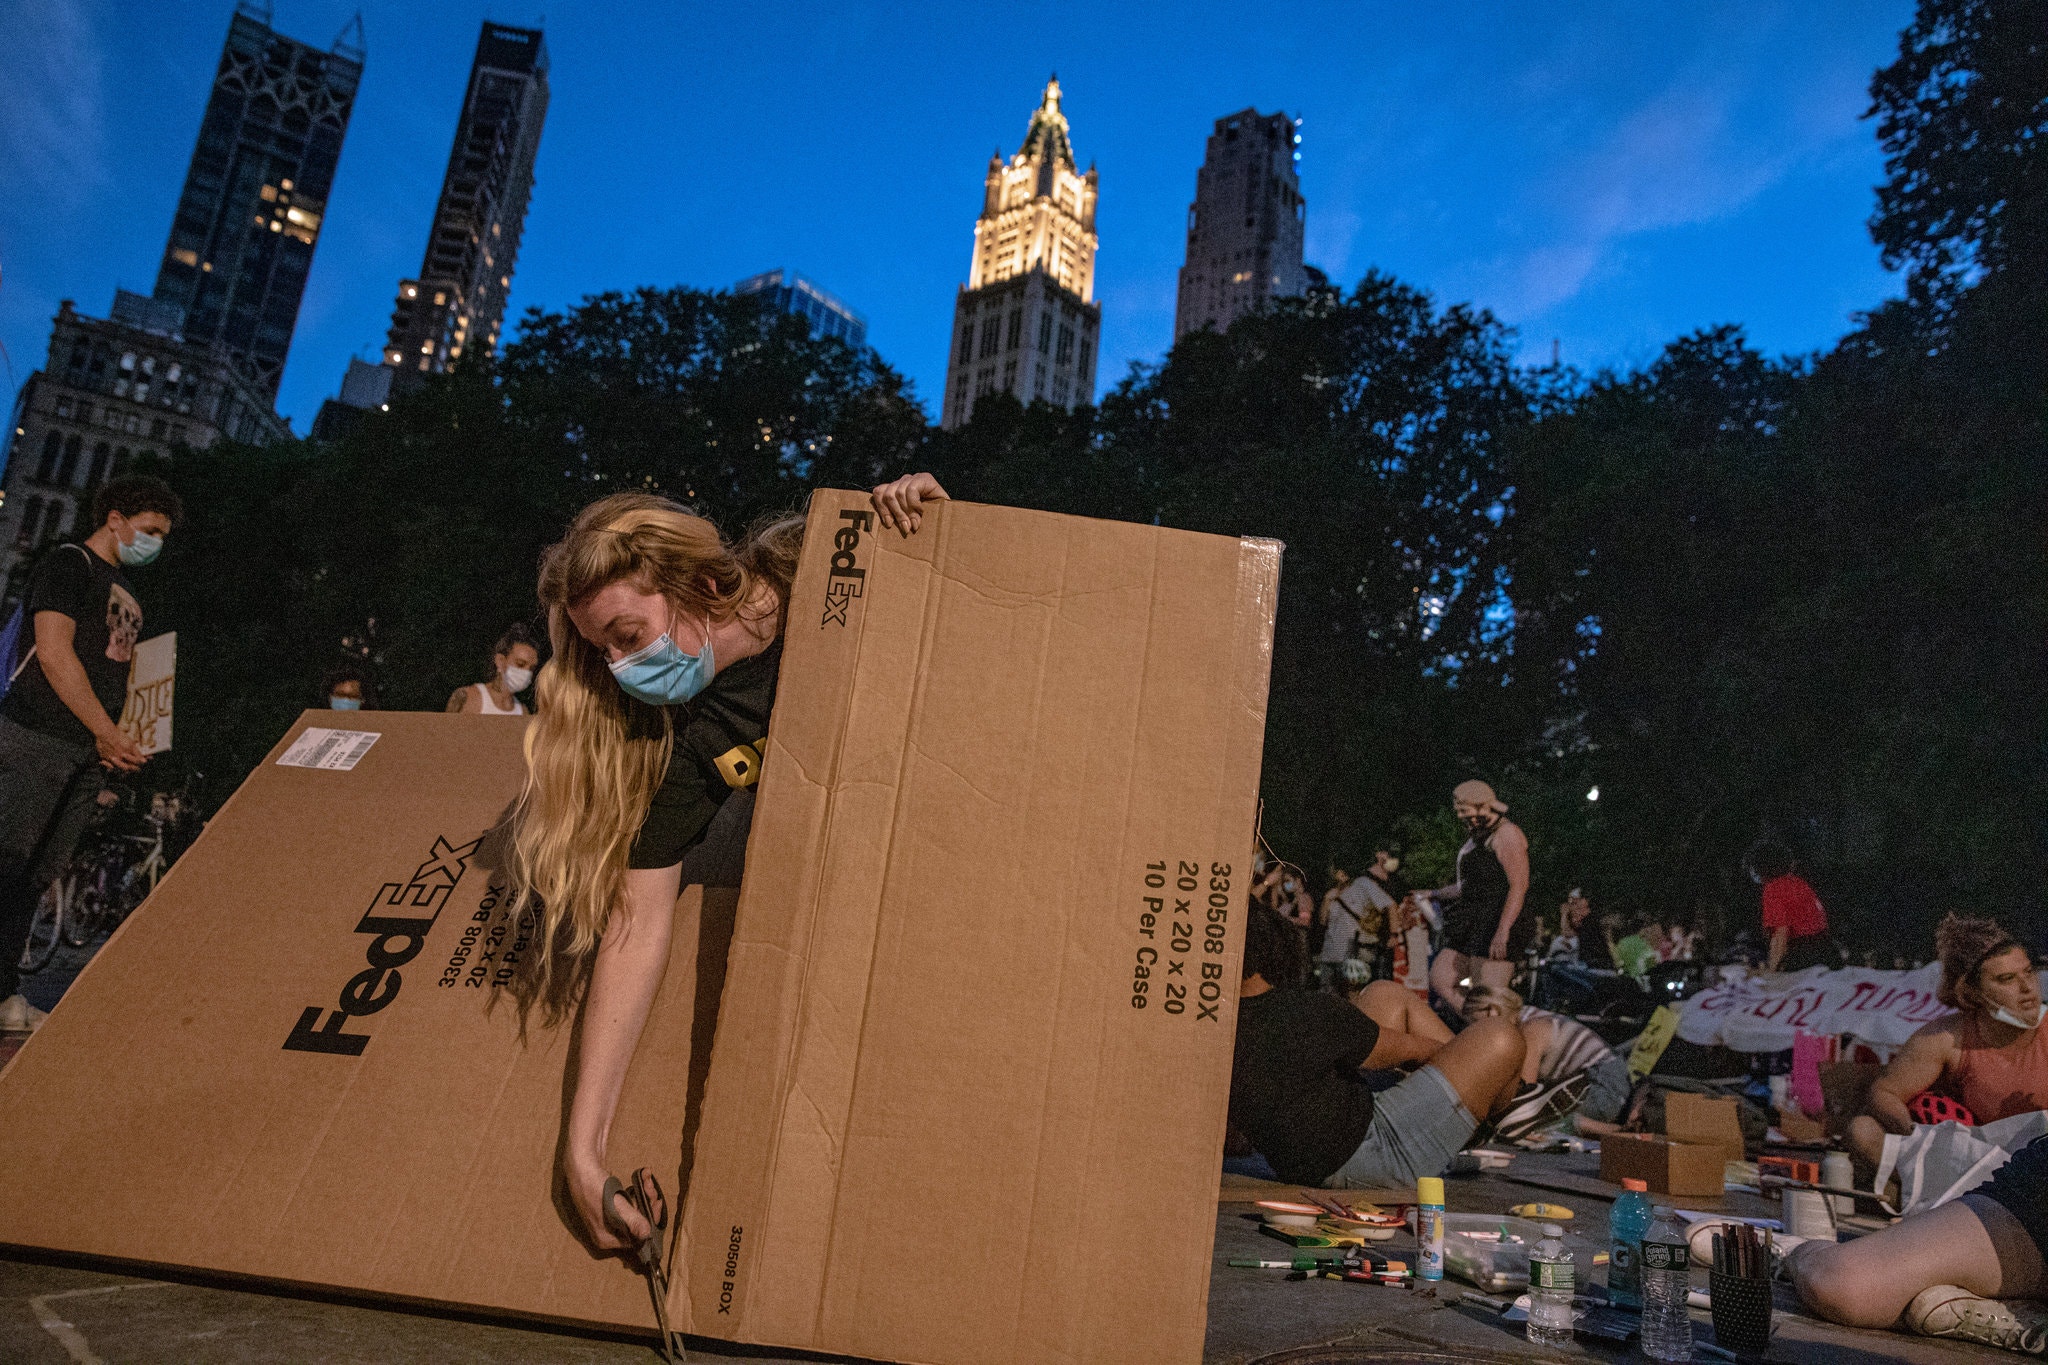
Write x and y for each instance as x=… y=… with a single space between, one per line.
x=1946 y=1311
x=18 y=1016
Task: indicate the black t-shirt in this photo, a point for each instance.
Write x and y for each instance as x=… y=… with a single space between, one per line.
x=717 y=751
x=1295 y=1088
x=96 y=596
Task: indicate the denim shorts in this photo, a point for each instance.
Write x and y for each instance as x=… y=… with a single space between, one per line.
x=1607 y=1094
x=1417 y=1127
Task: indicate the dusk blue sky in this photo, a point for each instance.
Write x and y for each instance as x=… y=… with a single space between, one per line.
x=1605 y=175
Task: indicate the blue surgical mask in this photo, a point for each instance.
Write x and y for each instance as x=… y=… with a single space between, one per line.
x=345 y=703
x=139 y=551
x=662 y=675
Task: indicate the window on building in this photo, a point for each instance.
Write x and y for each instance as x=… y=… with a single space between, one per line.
x=68 y=466
x=1065 y=351
x=1038 y=380
x=991 y=336
x=1016 y=331
x=967 y=342
x=1010 y=376
x=102 y=464
x=1045 y=333
x=53 y=447
x=1086 y=352
x=31 y=519
x=985 y=381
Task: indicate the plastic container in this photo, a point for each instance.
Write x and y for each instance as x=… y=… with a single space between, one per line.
x=1667 y=1282
x=1489 y=1251
x=1626 y=1224
x=1429 y=1228
x=1553 y=1281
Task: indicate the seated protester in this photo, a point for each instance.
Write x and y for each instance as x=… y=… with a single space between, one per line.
x=1991 y=1056
x=1558 y=1049
x=1298 y=1089
x=1572 y=916
x=1945 y=1271
x=1642 y=948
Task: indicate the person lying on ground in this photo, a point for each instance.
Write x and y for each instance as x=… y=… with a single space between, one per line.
x=1300 y=1088
x=666 y=643
x=1945 y=1271
x=1558 y=1049
x=1991 y=1056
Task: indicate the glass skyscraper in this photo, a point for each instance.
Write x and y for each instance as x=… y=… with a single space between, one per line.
x=242 y=242
x=789 y=292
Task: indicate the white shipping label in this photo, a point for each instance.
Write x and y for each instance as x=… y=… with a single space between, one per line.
x=336 y=749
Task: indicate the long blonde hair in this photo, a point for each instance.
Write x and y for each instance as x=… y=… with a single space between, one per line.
x=594 y=755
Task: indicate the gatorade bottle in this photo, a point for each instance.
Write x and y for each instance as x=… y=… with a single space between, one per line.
x=1625 y=1228
x=1667 y=1278
x=1429 y=1228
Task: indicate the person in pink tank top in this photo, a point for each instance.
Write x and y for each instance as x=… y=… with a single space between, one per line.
x=1991 y=1055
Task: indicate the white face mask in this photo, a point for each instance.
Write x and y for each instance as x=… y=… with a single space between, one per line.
x=2006 y=1016
x=518 y=679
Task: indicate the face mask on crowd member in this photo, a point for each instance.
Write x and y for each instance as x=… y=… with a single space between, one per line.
x=345 y=703
x=661 y=674
x=2009 y=990
x=346 y=695
x=134 y=542
x=517 y=679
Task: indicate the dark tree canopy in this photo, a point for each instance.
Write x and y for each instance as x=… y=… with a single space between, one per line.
x=1740 y=596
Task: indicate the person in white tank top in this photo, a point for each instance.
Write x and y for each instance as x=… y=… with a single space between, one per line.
x=513 y=662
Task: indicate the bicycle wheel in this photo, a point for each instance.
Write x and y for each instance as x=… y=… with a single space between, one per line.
x=45 y=930
x=79 y=917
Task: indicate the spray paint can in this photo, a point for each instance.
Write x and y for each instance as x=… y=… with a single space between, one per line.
x=1429 y=1228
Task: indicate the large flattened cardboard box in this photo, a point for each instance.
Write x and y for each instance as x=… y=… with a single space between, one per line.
x=969 y=1083
x=967 y=1094
x=292 y=1063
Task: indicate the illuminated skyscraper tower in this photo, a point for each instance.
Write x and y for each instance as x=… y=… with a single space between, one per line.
x=458 y=302
x=1025 y=322
x=242 y=241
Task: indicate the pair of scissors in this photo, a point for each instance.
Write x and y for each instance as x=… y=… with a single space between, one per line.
x=647 y=1200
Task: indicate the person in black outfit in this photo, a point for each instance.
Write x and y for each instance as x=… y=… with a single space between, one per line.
x=1299 y=1090
x=1484 y=920
x=80 y=624
x=651 y=714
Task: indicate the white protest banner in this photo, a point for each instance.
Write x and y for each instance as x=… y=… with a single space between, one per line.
x=1762 y=1013
x=147 y=716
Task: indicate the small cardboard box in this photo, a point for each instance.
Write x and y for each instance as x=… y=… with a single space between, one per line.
x=1703 y=1134
x=979 y=1013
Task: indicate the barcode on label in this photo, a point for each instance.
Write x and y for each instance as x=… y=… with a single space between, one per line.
x=339 y=750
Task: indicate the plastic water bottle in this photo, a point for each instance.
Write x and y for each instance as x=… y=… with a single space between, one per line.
x=1552 y=1283
x=1667 y=1279
x=1625 y=1228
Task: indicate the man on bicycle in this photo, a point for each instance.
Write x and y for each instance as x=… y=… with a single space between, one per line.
x=80 y=623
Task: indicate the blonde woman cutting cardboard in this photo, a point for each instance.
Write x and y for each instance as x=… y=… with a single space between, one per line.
x=666 y=642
